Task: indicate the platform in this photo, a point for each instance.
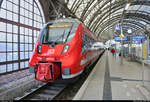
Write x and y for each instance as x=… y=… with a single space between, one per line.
x=16 y=83
x=109 y=80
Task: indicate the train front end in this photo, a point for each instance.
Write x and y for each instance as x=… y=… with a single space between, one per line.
x=52 y=48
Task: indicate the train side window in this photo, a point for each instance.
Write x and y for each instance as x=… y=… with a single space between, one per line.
x=84 y=44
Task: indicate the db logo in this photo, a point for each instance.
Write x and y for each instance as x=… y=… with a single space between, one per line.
x=51 y=51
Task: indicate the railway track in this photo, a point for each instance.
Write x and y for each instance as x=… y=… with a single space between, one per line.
x=45 y=91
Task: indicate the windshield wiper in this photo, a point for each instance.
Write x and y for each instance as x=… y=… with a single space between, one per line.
x=69 y=33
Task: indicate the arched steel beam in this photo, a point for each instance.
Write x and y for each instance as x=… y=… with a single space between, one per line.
x=55 y=8
x=101 y=18
x=117 y=19
x=125 y=26
x=77 y=6
x=74 y=5
x=118 y=16
x=89 y=10
x=1 y=3
x=114 y=21
x=98 y=10
x=135 y=2
x=106 y=11
x=115 y=34
x=132 y=25
x=104 y=17
x=140 y=17
x=112 y=25
x=100 y=7
x=86 y=8
x=111 y=28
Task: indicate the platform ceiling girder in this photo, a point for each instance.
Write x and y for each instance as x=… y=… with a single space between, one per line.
x=125 y=27
x=56 y=8
x=117 y=20
x=96 y=12
x=143 y=16
x=134 y=16
x=102 y=18
x=131 y=24
x=120 y=2
x=97 y=17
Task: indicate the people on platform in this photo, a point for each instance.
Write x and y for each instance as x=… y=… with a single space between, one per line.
x=113 y=51
x=120 y=52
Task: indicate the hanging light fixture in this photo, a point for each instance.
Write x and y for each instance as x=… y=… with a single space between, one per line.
x=128 y=5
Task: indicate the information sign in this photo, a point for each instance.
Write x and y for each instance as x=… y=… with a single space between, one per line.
x=117 y=38
x=118 y=27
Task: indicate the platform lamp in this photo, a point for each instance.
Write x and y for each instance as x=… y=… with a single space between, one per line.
x=123 y=14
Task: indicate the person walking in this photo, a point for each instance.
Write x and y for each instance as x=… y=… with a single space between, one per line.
x=113 y=51
x=120 y=52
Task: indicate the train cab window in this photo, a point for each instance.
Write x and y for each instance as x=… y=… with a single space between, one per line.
x=74 y=28
x=58 y=32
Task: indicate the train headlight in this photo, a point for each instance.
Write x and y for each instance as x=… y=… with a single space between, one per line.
x=65 y=49
x=39 y=49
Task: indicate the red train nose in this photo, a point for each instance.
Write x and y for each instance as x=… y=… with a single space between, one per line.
x=47 y=72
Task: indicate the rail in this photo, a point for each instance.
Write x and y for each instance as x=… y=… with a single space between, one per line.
x=46 y=91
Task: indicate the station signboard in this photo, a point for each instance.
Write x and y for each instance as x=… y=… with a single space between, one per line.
x=135 y=39
x=138 y=39
x=118 y=39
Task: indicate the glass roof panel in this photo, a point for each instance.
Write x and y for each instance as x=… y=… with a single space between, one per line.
x=94 y=14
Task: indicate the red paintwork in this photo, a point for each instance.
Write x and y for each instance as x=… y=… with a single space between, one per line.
x=71 y=59
x=45 y=73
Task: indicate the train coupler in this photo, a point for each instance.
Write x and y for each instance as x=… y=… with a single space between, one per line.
x=47 y=72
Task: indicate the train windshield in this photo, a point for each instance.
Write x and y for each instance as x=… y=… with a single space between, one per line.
x=59 y=32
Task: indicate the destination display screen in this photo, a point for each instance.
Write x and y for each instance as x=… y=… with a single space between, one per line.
x=117 y=38
x=138 y=38
x=60 y=25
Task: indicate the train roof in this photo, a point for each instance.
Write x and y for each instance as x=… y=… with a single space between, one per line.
x=74 y=20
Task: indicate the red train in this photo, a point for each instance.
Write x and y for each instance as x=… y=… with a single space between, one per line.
x=63 y=50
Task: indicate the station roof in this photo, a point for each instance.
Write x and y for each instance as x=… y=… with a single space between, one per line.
x=101 y=16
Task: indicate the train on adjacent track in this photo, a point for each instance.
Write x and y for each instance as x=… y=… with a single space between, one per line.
x=63 y=50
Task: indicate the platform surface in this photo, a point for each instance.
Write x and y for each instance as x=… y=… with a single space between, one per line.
x=14 y=76
x=109 y=80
